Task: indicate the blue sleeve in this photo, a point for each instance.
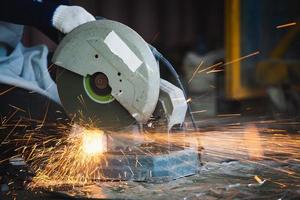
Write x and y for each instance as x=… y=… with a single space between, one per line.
x=37 y=13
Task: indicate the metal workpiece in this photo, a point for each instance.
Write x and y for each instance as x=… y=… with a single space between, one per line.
x=163 y=166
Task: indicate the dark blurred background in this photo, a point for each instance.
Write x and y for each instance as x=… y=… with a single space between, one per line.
x=174 y=27
x=192 y=32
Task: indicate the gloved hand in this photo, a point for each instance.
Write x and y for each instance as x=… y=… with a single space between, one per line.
x=66 y=18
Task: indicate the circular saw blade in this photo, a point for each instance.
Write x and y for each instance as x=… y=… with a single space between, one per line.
x=79 y=105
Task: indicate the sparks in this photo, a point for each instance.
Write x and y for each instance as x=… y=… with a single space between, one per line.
x=242 y=58
x=211 y=67
x=78 y=156
x=6 y=91
x=74 y=159
x=189 y=100
x=93 y=142
x=195 y=72
x=286 y=25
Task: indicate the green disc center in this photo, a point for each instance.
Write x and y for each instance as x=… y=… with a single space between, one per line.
x=97 y=88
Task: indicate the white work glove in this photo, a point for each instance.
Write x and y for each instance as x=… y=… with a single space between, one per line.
x=66 y=18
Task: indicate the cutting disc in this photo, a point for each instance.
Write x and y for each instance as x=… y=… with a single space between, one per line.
x=88 y=100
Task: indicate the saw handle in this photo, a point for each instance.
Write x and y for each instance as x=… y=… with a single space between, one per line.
x=171 y=69
x=62 y=35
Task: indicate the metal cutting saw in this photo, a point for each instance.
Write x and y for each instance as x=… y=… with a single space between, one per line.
x=108 y=75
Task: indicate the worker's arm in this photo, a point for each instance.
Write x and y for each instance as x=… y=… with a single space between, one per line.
x=46 y=15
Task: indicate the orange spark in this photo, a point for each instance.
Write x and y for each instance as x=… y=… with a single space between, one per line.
x=188 y=100
x=229 y=115
x=286 y=25
x=17 y=108
x=200 y=111
x=215 y=71
x=258 y=180
x=224 y=64
x=8 y=90
x=242 y=58
x=211 y=67
x=195 y=72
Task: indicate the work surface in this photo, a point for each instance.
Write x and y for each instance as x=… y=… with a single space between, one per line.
x=234 y=180
x=240 y=161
